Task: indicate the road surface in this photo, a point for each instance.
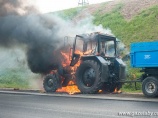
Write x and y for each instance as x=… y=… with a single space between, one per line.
x=39 y=106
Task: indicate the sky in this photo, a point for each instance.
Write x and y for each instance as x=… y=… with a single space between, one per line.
x=46 y=6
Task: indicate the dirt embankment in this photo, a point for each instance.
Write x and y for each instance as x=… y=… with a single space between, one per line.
x=134 y=7
x=130 y=8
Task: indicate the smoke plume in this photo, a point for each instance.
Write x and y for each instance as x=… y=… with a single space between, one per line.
x=35 y=32
x=40 y=35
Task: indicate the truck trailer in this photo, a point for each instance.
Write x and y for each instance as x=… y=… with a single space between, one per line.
x=144 y=55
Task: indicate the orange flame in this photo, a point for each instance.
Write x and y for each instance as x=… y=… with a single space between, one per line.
x=116 y=91
x=66 y=60
x=71 y=88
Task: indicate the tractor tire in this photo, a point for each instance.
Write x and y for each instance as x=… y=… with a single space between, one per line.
x=88 y=77
x=150 y=87
x=50 y=83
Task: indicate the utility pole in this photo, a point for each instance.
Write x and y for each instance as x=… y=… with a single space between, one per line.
x=83 y=2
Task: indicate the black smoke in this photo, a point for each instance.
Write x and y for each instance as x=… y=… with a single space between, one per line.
x=16 y=7
x=37 y=32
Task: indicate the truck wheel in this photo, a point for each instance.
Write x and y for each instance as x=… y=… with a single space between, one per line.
x=50 y=83
x=88 y=77
x=150 y=87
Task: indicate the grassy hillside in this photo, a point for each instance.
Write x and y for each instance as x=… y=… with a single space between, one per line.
x=141 y=27
x=69 y=14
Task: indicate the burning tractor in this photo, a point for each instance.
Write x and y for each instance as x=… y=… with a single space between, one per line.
x=94 y=65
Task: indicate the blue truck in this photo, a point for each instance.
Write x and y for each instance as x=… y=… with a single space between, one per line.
x=144 y=55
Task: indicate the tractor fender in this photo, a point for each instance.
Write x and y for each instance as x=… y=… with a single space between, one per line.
x=120 y=69
x=103 y=63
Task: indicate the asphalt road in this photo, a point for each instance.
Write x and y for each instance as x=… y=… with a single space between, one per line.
x=39 y=106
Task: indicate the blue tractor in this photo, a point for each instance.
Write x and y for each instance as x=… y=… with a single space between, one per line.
x=145 y=55
x=100 y=67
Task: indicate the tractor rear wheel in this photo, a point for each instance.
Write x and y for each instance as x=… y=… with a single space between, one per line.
x=88 y=77
x=150 y=87
x=50 y=83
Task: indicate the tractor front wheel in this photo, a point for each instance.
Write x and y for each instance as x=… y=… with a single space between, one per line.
x=50 y=83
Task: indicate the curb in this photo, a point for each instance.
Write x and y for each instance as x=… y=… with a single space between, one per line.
x=121 y=97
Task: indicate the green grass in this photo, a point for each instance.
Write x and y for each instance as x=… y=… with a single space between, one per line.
x=69 y=13
x=130 y=87
x=14 y=78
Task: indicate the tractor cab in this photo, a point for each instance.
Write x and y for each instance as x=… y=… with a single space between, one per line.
x=95 y=44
